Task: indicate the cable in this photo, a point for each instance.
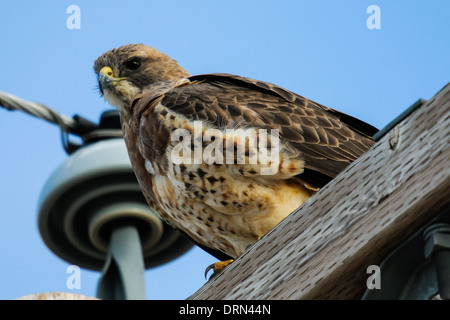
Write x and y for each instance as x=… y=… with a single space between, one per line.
x=88 y=131
x=10 y=102
x=66 y=124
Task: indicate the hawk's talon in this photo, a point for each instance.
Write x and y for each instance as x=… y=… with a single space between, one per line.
x=217 y=267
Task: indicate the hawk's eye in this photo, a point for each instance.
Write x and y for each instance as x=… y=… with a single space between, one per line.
x=133 y=64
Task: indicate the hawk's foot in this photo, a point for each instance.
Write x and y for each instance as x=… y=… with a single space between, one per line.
x=217 y=267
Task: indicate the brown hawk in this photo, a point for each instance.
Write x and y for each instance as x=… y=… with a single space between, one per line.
x=222 y=206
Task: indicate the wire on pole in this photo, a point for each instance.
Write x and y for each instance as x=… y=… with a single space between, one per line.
x=12 y=103
x=76 y=125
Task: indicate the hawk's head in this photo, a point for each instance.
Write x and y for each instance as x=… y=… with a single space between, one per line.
x=126 y=71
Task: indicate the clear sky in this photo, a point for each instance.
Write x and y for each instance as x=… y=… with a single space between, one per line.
x=320 y=49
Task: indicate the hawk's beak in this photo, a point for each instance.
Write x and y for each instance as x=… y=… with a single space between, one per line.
x=106 y=79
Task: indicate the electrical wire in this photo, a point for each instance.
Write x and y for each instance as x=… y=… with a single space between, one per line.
x=88 y=131
x=12 y=103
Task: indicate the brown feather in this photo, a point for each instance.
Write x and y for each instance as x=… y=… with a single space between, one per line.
x=225 y=207
x=316 y=131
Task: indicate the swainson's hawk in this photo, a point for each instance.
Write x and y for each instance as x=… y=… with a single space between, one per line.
x=223 y=206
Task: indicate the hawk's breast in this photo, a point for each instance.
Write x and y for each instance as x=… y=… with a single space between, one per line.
x=220 y=198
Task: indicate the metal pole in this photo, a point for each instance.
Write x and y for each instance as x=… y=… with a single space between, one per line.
x=437 y=245
x=123 y=273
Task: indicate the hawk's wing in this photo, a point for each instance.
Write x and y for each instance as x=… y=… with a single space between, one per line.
x=327 y=139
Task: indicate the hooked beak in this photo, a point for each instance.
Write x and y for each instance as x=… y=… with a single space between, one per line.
x=106 y=79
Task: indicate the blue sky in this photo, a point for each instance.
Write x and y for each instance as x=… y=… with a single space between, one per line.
x=319 y=49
